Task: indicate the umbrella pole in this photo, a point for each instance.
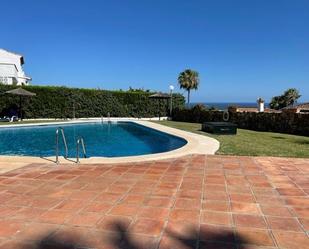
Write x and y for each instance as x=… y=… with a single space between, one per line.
x=159 y=109
x=20 y=110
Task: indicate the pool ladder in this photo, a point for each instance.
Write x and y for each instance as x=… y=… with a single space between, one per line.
x=108 y=118
x=60 y=129
x=80 y=141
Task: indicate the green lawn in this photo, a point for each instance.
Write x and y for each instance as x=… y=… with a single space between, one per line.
x=252 y=143
x=31 y=122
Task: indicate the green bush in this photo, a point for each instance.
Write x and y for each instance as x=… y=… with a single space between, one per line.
x=196 y=114
x=291 y=123
x=60 y=102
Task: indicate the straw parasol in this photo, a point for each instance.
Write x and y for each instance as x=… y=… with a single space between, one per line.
x=21 y=93
x=160 y=96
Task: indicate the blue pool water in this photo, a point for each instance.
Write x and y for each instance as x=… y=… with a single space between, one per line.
x=101 y=139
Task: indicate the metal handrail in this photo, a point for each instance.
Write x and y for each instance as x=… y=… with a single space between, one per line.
x=57 y=144
x=80 y=141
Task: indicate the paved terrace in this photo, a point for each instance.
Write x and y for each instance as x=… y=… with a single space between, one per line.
x=191 y=202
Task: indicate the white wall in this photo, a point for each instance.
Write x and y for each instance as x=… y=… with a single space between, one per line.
x=8 y=70
x=10 y=66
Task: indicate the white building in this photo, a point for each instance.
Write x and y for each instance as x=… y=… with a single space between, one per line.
x=11 y=71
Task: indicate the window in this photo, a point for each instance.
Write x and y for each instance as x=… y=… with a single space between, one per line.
x=4 y=80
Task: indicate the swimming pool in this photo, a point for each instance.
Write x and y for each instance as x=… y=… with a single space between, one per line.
x=116 y=139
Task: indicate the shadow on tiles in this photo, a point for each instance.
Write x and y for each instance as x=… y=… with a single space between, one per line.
x=120 y=238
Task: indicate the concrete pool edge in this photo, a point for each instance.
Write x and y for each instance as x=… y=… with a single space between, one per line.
x=196 y=144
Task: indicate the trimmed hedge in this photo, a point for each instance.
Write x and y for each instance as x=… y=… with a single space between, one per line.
x=61 y=102
x=291 y=123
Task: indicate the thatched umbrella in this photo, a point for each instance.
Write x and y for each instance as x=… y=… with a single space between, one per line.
x=160 y=96
x=20 y=92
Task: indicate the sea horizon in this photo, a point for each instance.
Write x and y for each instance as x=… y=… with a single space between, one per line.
x=225 y=105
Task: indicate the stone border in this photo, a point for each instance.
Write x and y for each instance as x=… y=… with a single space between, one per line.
x=196 y=144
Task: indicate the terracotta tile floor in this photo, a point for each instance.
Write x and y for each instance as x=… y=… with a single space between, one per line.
x=192 y=202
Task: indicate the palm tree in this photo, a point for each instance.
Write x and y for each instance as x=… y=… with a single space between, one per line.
x=289 y=97
x=188 y=79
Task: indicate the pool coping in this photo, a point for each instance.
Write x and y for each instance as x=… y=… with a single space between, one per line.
x=196 y=144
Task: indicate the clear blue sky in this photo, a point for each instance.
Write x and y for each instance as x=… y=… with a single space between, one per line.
x=243 y=49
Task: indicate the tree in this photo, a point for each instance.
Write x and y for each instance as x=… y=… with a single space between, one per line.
x=289 y=97
x=188 y=79
x=139 y=90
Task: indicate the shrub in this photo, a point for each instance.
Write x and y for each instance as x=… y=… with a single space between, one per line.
x=291 y=123
x=60 y=102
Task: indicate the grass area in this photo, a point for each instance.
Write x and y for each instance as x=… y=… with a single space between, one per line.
x=252 y=143
x=31 y=122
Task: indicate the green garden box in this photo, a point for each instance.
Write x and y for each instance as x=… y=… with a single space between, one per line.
x=224 y=128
